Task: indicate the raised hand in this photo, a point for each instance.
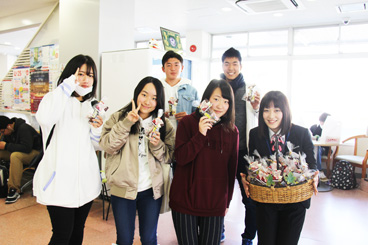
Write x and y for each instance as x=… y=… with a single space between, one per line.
x=97 y=122
x=76 y=75
x=257 y=100
x=205 y=124
x=180 y=115
x=155 y=138
x=133 y=115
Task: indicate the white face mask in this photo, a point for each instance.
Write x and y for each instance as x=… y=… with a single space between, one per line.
x=83 y=91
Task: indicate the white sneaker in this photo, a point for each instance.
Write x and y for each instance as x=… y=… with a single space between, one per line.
x=322 y=176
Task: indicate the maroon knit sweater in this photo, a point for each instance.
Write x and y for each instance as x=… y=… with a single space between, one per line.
x=205 y=173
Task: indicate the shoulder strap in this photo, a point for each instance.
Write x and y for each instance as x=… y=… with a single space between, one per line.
x=50 y=136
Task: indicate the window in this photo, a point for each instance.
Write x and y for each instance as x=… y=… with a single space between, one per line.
x=319 y=75
x=322 y=40
x=354 y=38
x=221 y=43
x=268 y=43
x=335 y=86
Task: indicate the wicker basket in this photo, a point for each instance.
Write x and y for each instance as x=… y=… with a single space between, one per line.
x=289 y=194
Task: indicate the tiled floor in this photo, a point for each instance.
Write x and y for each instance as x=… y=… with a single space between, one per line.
x=336 y=217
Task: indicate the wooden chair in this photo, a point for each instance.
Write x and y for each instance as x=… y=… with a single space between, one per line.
x=359 y=159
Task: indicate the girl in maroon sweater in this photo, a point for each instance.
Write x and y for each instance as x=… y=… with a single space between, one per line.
x=206 y=154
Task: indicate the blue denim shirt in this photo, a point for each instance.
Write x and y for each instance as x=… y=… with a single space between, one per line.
x=187 y=94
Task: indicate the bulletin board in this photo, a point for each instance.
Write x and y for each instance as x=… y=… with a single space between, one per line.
x=31 y=80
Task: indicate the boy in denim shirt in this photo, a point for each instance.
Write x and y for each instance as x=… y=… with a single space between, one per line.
x=181 y=97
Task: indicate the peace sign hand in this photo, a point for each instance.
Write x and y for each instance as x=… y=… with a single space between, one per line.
x=133 y=115
x=76 y=75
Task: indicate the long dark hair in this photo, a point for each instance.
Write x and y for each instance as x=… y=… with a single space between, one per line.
x=279 y=101
x=160 y=99
x=72 y=66
x=228 y=119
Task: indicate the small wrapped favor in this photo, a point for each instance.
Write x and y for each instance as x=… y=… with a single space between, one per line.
x=157 y=123
x=99 y=108
x=250 y=94
x=205 y=110
x=172 y=106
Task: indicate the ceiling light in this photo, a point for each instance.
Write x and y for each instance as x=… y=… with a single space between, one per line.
x=278 y=14
x=354 y=7
x=26 y=22
x=226 y=9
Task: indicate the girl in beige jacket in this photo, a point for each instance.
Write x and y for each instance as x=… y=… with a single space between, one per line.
x=134 y=161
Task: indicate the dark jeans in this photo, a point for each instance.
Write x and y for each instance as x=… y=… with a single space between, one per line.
x=68 y=224
x=125 y=211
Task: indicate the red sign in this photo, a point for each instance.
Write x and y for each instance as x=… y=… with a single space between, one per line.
x=193 y=48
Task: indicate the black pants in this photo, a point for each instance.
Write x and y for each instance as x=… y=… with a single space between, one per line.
x=196 y=230
x=68 y=224
x=280 y=224
x=250 y=206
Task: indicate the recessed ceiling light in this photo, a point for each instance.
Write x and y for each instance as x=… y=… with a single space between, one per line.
x=27 y=22
x=226 y=9
x=278 y=14
x=7 y=43
x=16 y=48
x=354 y=7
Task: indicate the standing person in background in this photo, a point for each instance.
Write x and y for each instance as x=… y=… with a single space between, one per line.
x=20 y=145
x=134 y=159
x=280 y=224
x=68 y=179
x=207 y=156
x=316 y=130
x=177 y=89
x=246 y=113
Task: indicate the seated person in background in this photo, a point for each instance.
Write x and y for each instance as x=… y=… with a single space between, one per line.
x=178 y=90
x=20 y=145
x=316 y=130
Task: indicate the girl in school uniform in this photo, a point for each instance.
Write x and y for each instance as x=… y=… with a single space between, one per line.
x=280 y=224
x=206 y=154
x=134 y=159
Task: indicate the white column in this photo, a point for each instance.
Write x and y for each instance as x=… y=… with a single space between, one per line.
x=79 y=29
x=116 y=25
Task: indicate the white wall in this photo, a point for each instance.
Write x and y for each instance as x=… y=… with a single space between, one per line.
x=79 y=29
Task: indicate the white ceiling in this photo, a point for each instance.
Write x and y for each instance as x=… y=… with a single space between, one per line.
x=205 y=15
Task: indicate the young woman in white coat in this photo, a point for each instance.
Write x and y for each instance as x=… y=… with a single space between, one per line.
x=68 y=176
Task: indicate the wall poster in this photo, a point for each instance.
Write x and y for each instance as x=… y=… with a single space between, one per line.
x=21 y=89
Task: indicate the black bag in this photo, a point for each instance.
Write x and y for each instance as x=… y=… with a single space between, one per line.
x=4 y=175
x=343 y=176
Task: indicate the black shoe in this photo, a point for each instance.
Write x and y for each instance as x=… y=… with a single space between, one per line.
x=247 y=241
x=12 y=197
